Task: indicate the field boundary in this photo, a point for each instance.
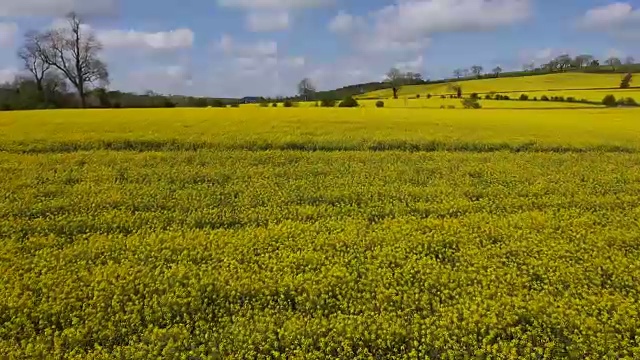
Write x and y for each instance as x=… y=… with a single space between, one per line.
x=400 y=145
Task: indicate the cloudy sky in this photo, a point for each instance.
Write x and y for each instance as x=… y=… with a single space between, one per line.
x=264 y=47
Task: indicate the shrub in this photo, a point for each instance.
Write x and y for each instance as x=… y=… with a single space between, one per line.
x=506 y=97
x=474 y=96
x=451 y=107
x=428 y=96
x=274 y=105
x=216 y=103
x=442 y=107
x=535 y=98
x=328 y=103
x=524 y=97
x=488 y=96
x=288 y=104
x=560 y=98
x=626 y=81
x=571 y=99
x=264 y=104
x=235 y=105
x=544 y=98
x=471 y=103
x=418 y=96
x=379 y=104
x=348 y=102
x=609 y=101
x=627 y=102
x=443 y=97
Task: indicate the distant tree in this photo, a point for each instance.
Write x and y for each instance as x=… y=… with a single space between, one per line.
x=497 y=71
x=395 y=78
x=629 y=60
x=583 y=60
x=614 y=62
x=74 y=50
x=595 y=63
x=529 y=67
x=459 y=92
x=457 y=73
x=550 y=66
x=563 y=62
x=465 y=72
x=417 y=77
x=306 y=89
x=477 y=70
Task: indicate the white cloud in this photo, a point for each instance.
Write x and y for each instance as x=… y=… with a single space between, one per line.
x=8 y=75
x=414 y=65
x=408 y=25
x=611 y=16
x=264 y=21
x=413 y=19
x=168 y=40
x=614 y=53
x=258 y=49
x=28 y=8
x=345 y=23
x=8 y=33
x=172 y=79
x=275 y=4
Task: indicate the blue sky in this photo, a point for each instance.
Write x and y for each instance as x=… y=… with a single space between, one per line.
x=264 y=47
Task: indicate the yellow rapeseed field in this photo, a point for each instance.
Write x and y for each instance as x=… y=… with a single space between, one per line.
x=311 y=233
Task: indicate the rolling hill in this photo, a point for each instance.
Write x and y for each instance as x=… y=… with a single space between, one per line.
x=551 y=82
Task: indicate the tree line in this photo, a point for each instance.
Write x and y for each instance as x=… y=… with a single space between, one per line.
x=562 y=63
x=62 y=68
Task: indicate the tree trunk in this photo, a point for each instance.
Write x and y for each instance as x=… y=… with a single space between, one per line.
x=395 y=92
x=83 y=100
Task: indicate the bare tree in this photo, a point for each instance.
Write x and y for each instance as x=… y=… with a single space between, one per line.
x=629 y=60
x=457 y=73
x=74 y=50
x=613 y=62
x=477 y=70
x=583 y=60
x=497 y=70
x=31 y=56
x=306 y=89
x=563 y=62
x=395 y=78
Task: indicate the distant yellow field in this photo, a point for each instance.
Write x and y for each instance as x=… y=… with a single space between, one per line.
x=591 y=95
x=516 y=84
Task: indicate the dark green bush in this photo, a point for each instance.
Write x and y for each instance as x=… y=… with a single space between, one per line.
x=235 y=105
x=274 y=105
x=348 y=102
x=609 y=101
x=488 y=97
x=379 y=104
x=471 y=103
x=418 y=96
x=571 y=99
x=428 y=96
x=475 y=96
x=288 y=104
x=544 y=98
x=264 y=104
x=524 y=97
x=328 y=103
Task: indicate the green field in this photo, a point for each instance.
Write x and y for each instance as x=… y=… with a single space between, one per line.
x=320 y=233
x=541 y=83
